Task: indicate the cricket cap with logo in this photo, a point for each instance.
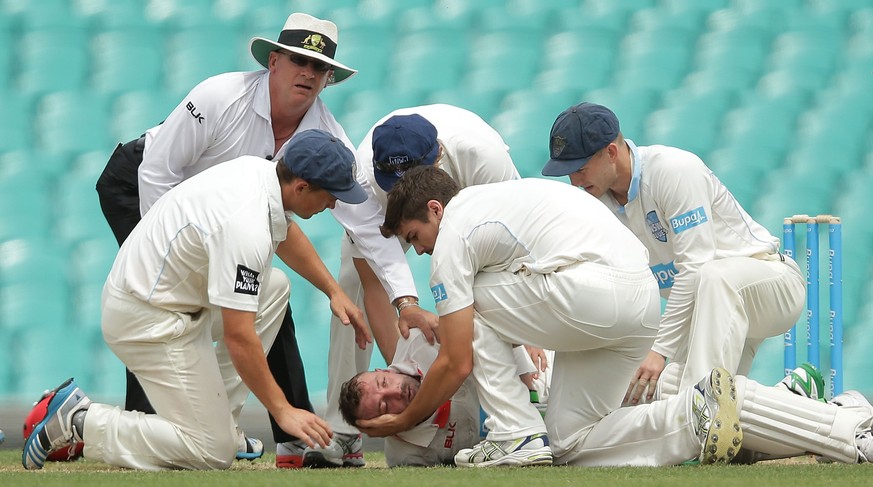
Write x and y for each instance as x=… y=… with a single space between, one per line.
x=577 y=134
x=401 y=143
x=321 y=159
x=308 y=36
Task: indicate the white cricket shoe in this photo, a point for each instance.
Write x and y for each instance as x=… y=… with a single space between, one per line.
x=714 y=405
x=530 y=450
x=852 y=399
x=864 y=444
x=290 y=454
x=344 y=450
x=248 y=448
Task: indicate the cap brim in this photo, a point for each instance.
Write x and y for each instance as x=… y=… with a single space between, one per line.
x=385 y=180
x=352 y=196
x=261 y=49
x=563 y=167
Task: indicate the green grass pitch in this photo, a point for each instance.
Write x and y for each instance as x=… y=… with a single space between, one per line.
x=790 y=473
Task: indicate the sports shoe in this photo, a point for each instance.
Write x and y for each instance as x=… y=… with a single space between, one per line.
x=55 y=428
x=805 y=381
x=849 y=399
x=344 y=450
x=290 y=454
x=2 y=437
x=530 y=450
x=249 y=448
x=714 y=405
x=67 y=454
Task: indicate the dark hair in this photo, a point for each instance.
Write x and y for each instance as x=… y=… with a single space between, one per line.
x=350 y=399
x=408 y=199
x=286 y=175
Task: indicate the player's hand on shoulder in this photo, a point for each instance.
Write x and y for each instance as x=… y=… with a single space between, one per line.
x=415 y=317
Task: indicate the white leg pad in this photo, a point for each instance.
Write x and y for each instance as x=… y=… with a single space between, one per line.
x=780 y=424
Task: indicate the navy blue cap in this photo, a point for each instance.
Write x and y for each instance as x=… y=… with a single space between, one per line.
x=319 y=158
x=577 y=134
x=401 y=143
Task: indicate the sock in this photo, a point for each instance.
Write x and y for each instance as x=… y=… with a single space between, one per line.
x=78 y=421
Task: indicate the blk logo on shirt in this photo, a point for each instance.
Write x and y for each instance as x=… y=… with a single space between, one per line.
x=246 y=281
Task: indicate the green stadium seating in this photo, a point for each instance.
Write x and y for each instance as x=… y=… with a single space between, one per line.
x=44 y=67
x=127 y=60
x=196 y=53
x=135 y=112
x=72 y=121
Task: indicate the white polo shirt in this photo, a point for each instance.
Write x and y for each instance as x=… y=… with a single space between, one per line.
x=685 y=217
x=207 y=242
x=228 y=116
x=532 y=224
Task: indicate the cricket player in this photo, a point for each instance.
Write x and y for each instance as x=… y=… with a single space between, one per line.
x=591 y=315
x=471 y=152
x=435 y=441
x=540 y=263
x=726 y=284
x=197 y=269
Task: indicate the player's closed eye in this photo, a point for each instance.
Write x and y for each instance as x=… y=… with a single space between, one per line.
x=302 y=61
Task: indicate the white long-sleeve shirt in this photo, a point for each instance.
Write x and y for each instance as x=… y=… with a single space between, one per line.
x=685 y=217
x=227 y=116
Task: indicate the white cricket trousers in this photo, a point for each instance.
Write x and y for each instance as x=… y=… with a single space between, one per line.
x=601 y=322
x=740 y=301
x=195 y=389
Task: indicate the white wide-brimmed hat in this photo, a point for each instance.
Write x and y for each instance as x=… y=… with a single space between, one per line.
x=307 y=36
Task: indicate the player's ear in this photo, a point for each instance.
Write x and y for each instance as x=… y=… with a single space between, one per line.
x=436 y=208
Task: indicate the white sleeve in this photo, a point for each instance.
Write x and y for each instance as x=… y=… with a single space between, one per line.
x=385 y=255
x=177 y=143
x=682 y=189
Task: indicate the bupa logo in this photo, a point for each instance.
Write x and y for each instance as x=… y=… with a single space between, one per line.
x=664 y=274
x=439 y=293
x=191 y=108
x=655 y=226
x=688 y=220
x=246 y=281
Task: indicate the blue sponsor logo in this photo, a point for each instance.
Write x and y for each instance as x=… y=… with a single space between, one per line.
x=688 y=220
x=439 y=293
x=655 y=226
x=664 y=273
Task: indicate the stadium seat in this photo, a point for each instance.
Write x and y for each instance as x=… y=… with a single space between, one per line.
x=127 y=60
x=428 y=61
x=44 y=67
x=579 y=61
x=196 y=53
x=684 y=127
x=137 y=111
x=16 y=125
x=25 y=205
x=632 y=107
x=486 y=104
x=72 y=121
x=503 y=61
x=62 y=355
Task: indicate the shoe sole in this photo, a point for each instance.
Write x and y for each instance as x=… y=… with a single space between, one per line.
x=725 y=437
x=289 y=461
x=523 y=458
x=33 y=450
x=318 y=460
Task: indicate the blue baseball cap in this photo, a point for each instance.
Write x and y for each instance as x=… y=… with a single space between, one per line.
x=401 y=143
x=577 y=134
x=319 y=158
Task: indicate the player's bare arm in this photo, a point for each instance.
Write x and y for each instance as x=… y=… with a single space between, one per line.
x=380 y=314
x=451 y=367
x=247 y=354
x=298 y=253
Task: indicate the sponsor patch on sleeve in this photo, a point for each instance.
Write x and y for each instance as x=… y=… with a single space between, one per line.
x=246 y=281
x=439 y=293
x=688 y=220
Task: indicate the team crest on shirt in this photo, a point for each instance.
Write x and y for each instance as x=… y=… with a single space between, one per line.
x=246 y=281
x=439 y=292
x=655 y=226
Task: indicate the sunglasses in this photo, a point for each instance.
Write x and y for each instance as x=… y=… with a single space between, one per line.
x=302 y=61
